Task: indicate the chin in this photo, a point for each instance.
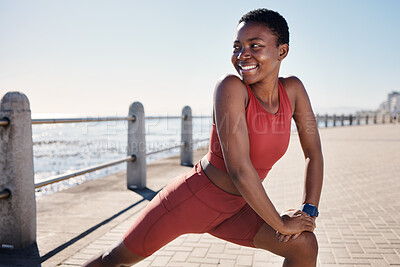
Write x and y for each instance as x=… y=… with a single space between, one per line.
x=248 y=80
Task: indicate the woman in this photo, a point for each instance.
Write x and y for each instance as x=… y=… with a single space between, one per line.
x=223 y=193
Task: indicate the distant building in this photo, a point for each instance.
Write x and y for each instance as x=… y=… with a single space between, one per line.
x=392 y=103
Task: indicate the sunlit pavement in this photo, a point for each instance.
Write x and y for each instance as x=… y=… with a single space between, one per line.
x=359 y=222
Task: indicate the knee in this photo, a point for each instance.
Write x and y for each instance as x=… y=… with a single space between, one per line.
x=307 y=246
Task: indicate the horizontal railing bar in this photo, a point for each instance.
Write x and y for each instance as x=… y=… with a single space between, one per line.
x=164 y=117
x=164 y=149
x=5 y=194
x=177 y=117
x=172 y=147
x=201 y=140
x=60 y=178
x=73 y=120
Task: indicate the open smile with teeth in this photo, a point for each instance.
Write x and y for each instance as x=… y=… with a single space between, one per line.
x=248 y=67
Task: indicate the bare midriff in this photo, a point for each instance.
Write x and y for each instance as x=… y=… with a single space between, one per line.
x=219 y=178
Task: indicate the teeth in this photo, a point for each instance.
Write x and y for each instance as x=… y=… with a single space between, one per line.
x=248 y=67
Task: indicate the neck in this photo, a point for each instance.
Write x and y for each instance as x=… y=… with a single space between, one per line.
x=267 y=90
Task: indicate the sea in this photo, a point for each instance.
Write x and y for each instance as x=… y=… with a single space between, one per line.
x=63 y=148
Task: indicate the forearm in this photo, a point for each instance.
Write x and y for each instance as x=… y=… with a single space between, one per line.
x=313 y=179
x=250 y=187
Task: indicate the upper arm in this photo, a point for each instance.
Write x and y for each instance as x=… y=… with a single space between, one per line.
x=230 y=99
x=304 y=118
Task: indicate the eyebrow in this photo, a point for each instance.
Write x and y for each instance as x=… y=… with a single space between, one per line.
x=250 y=40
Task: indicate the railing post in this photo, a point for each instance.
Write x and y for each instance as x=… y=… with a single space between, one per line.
x=136 y=170
x=17 y=212
x=334 y=120
x=187 y=137
x=326 y=120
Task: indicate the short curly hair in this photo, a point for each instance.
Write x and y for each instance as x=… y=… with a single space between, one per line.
x=272 y=19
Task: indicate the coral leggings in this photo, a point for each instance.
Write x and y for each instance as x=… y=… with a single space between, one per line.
x=191 y=203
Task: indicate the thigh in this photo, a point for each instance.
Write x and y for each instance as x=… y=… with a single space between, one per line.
x=174 y=211
x=240 y=228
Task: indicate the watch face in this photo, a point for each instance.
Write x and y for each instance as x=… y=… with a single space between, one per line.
x=310 y=210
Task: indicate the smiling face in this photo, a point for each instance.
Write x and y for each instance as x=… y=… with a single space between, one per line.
x=256 y=55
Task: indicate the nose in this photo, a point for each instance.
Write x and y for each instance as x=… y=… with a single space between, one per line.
x=243 y=54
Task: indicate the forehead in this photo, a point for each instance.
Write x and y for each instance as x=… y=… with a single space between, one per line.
x=253 y=30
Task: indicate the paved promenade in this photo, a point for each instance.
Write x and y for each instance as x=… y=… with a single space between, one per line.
x=359 y=223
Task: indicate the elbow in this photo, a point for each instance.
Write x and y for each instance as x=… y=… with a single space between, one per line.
x=314 y=154
x=240 y=172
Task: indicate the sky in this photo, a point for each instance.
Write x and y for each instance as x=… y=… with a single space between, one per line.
x=96 y=57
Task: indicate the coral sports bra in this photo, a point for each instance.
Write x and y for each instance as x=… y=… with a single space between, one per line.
x=269 y=134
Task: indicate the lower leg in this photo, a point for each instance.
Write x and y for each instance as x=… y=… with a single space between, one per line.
x=115 y=256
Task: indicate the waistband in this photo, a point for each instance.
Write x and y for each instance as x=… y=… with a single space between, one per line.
x=216 y=161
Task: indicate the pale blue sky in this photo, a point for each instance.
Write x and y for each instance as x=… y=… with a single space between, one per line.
x=96 y=57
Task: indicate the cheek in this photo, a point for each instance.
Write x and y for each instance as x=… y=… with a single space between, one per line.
x=234 y=60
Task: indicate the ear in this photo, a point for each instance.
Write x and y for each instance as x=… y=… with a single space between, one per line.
x=283 y=51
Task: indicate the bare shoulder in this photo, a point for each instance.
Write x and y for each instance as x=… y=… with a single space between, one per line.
x=230 y=96
x=292 y=84
x=231 y=83
x=295 y=90
x=230 y=87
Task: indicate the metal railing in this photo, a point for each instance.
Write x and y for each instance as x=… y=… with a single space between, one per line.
x=63 y=177
x=351 y=119
x=59 y=178
x=172 y=147
x=73 y=120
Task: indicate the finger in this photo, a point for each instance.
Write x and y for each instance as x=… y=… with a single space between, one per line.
x=296 y=236
x=278 y=236
x=286 y=238
x=281 y=238
x=309 y=227
x=298 y=212
x=305 y=214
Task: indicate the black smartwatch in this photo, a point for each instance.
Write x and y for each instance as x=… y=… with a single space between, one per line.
x=310 y=210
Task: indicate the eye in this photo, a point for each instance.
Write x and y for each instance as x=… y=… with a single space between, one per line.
x=256 y=46
x=236 y=47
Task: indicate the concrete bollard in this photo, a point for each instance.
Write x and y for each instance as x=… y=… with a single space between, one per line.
x=136 y=170
x=17 y=212
x=187 y=137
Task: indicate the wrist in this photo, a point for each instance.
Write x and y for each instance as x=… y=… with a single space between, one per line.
x=310 y=209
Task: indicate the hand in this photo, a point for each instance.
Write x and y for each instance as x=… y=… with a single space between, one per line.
x=291 y=218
